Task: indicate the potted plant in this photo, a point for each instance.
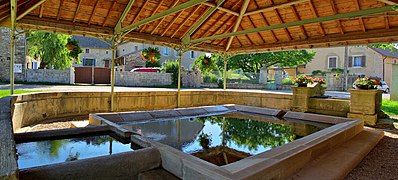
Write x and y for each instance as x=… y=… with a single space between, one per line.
x=366 y=83
x=204 y=140
x=322 y=83
x=71 y=44
x=206 y=60
x=151 y=54
x=302 y=80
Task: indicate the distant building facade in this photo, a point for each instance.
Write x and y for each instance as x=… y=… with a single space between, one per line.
x=95 y=52
x=20 y=62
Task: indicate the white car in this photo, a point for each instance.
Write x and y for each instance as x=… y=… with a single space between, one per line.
x=384 y=87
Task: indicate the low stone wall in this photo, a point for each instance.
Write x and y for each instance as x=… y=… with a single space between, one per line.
x=191 y=79
x=50 y=75
x=335 y=107
x=142 y=79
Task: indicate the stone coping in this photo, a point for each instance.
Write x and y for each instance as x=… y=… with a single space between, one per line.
x=278 y=163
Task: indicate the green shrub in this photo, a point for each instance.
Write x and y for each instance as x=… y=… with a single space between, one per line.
x=318 y=72
x=171 y=66
x=210 y=78
x=287 y=81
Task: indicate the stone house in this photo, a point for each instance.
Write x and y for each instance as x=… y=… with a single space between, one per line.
x=95 y=52
x=166 y=53
x=362 y=61
x=5 y=57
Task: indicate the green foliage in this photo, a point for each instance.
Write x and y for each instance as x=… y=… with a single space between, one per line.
x=337 y=70
x=6 y=92
x=287 y=81
x=154 y=63
x=76 y=51
x=391 y=47
x=390 y=107
x=318 y=73
x=50 y=47
x=151 y=54
x=207 y=63
x=210 y=78
x=366 y=83
x=171 y=66
x=253 y=62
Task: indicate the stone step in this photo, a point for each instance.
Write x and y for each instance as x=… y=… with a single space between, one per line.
x=157 y=174
x=341 y=160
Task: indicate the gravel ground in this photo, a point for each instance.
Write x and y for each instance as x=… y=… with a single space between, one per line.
x=381 y=163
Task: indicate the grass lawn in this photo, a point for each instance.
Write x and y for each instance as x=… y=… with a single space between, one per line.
x=4 y=93
x=390 y=107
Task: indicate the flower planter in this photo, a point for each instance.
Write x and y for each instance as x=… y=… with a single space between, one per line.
x=365 y=105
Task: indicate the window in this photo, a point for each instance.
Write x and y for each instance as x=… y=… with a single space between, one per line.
x=135 y=48
x=34 y=65
x=87 y=51
x=192 y=54
x=106 y=52
x=357 y=61
x=88 y=62
x=123 y=50
x=166 y=51
x=332 y=62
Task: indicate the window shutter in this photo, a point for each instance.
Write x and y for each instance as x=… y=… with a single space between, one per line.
x=363 y=61
x=350 y=61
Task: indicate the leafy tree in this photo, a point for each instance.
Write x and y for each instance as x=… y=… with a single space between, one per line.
x=50 y=47
x=391 y=47
x=171 y=66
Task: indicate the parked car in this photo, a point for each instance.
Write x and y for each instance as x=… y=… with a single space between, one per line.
x=145 y=70
x=384 y=87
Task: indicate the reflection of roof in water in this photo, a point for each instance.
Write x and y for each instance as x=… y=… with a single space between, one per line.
x=166 y=132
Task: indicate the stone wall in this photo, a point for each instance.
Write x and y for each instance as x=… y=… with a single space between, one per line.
x=142 y=79
x=5 y=57
x=50 y=75
x=191 y=79
x=133 y=60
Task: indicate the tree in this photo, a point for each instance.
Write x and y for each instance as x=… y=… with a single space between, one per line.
x=51 y=48
x=391 y=47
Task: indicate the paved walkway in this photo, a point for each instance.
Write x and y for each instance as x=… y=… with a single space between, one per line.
x=107 y=88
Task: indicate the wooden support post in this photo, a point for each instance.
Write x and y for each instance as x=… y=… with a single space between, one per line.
x=179 y=80
x=225 y=74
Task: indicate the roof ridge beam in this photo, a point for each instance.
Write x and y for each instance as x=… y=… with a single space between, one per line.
x=118 y=26
x=162 y=14
x=198 y=23
x=238 y=21
x=274 y=7
x=354 y=14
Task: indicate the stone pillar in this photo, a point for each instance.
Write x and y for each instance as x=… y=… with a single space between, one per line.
x=263 y=76
x=365 y=105
x=394 y=83
x=278 y=78
x=302 y=95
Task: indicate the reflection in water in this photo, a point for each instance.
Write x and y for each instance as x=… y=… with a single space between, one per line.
x=245 y=135
x=39 y=153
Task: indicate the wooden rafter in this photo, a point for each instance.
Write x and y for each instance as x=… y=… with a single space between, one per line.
x=161 y=20
x=77 y=10
x=274 y=7
x=360 y=18
x=335 y=12
x=246 y=35
x=29 y=7
x=297 y=16
x=153 y=13
x=266 y=23
x=387 y=22
x=139 y=12
x=222 y=25
x=317 y=16
x=61 y=2
x=185 y=21
x=109 y=12
x=217 y=20
x=388 y=2
x=93 y=12
x=281 y=22
x=226 y=31
x=41 y=10
x=172 y=22
x=237 y=24
x=229 y=11
x=254 y=25
x=348 y=15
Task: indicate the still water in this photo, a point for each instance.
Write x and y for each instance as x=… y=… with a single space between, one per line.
x=245 y=135
x=40 y=153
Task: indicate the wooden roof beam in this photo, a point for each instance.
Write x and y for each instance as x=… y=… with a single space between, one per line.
x=354 y=14
x=388 y=2
x=335 y=12
x=187 y=35
x=107 y=14
x=59 y=8
x=274 y=7
x=139 y=12
x=153 y=13
x=360 y=19
x=221 y=8
x=162 y=14
x=171 y=23
x=29 y=7
x=92 y=13
x=41 y=10
x=241 y=14
x=183 y=23
x=118 y=27
x=77 y=10
x=316 y=15
x=158 y=24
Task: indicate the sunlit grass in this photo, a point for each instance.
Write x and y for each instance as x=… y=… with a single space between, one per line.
x=390 y=107
x=4 y=93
